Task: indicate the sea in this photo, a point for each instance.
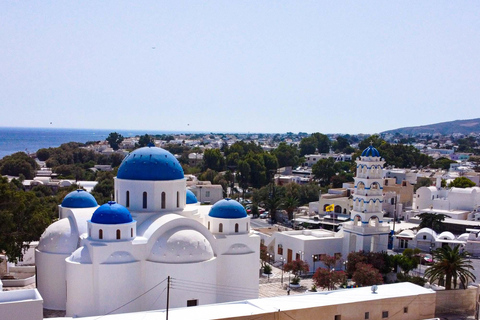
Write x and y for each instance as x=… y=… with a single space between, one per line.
x=29 y=140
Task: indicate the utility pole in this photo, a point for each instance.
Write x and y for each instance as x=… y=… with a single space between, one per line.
x=168 y=294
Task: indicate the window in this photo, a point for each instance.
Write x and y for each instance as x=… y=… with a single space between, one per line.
x=367 y=315
x=118 y=234
x=207 y=194
x=297 y=256
x=163 y=200
x=178 y=199
x=247 y=227
x=424 y=237
x=220 y=227
x=338 y=317
x=100 y=234
x=131 y=232
x=127 y=202
x=208 y=225
x=280 y=249
x=144 y=200
x=192 y=303
x=405 y=309
x=384 y=314
x=236 y=227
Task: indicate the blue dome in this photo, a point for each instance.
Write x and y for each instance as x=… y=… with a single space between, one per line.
x=191 y=198
x=111 y=213
x=370 y=152
x=150 y=163
x=228 y=209
x=79 y=199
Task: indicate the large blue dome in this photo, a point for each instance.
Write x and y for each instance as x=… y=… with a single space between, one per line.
x=150 y=163
x=191 y=198
x=228 y=209
x=370 y=152
x=111 y=213
x=79 y=199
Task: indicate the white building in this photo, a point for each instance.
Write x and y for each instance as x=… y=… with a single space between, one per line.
x=365 y=230
x=118 y=257
x=447 y=199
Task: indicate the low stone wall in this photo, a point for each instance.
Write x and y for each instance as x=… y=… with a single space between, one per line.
x=456 y=301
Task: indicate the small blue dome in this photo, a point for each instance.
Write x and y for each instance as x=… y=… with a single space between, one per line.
x=228 y=209
x=191 y=198
x=111 y=213
x=370 y=152
x=150 y=163
x=79 y=199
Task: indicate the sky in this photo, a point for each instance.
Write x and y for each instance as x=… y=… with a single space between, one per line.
x=239 y=66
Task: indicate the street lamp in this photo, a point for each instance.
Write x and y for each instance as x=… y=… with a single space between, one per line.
x=283 y=261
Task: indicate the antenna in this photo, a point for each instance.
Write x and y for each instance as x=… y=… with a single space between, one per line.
x=374 y=288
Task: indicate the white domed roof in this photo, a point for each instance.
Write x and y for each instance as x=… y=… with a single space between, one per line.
x=81 y=255
x=120 y=257
x=59 y=238
x=447 y=235
x=181 y=245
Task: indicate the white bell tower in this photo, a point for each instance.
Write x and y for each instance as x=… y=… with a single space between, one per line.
x=366 y=230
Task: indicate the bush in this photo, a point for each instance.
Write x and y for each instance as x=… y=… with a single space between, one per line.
x=267 y=269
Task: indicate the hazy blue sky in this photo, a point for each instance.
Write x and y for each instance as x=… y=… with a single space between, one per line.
x=239 y=66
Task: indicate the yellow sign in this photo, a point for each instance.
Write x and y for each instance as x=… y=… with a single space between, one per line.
x=330 y=208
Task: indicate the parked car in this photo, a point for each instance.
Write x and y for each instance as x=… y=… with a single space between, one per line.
x=264 y=215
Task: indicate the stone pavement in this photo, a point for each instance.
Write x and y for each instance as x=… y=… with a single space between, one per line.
x=272 y=286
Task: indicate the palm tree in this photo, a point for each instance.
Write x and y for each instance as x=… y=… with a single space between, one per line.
x=290 y=204
x=432 y=220
x=272 y=205
x=452 y=265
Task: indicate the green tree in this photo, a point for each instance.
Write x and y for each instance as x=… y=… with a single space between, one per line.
x=18 y=163
x=287 y=155
x=422 y=182
x=23 y=218
x=442 y=163
x=433 y=221
x=114 y=139
x=213 y=159
x=308 y=145
x=324 y=170
x=323 y=142
x=462 y=182
x=144 y=140
x=451 y=266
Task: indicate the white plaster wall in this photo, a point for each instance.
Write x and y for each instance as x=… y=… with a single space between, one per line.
x=188 y=281
x=154 y=190
x=234 y=277
x=80 y=290
x=51 y=279
x=21 y=305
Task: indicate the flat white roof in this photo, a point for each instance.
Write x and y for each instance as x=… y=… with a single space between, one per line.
x=283 y=303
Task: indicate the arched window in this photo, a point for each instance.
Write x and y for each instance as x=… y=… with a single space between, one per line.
x=100 y=234
x=247 y=226
x=208 y=225
x=163 y=200
x=236 y=227
x=127 y=202
x=178 y=199
x=118 y=234
x=144 y=200
x=131 y=232
x=220 y=227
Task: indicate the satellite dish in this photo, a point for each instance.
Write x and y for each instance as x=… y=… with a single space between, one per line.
x=374 y=288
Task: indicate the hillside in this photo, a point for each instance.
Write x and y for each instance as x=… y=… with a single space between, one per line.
x=444 y=128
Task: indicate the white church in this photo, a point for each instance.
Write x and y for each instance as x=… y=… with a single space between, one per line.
x=120 y=256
